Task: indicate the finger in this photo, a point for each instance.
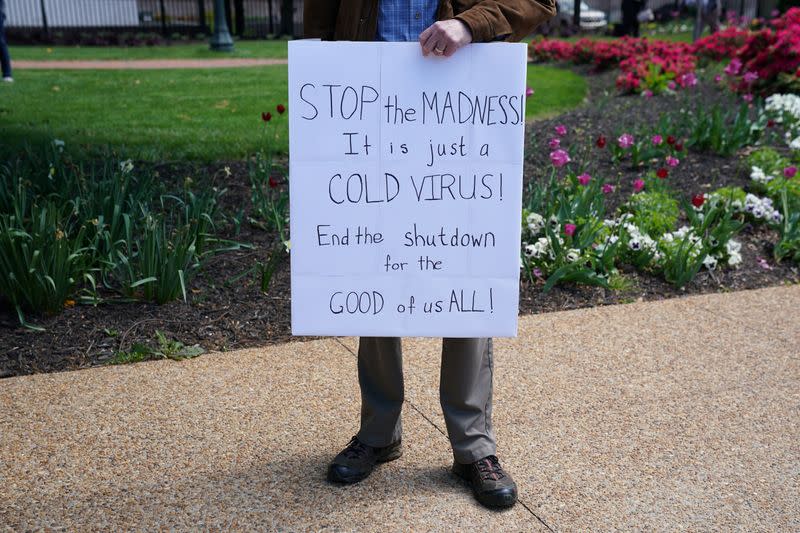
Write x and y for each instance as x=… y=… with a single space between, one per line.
x=430 y=43
x=425 y=38
x=451 y=49
x=425 y=34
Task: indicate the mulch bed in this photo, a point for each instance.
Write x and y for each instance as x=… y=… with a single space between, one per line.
x=227 y=313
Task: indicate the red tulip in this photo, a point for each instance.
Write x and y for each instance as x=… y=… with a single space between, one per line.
x=601 y=142
x=281 y=109
x=662 y=173
x=670 y=140
x=266 y=117
x=273 y=183
x=698 y=200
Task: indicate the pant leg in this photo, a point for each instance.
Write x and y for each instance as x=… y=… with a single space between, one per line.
x=380 y=377
x=465 y=392
x=5 y=58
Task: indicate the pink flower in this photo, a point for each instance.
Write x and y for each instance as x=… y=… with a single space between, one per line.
x=748 y=97
x=584 y=179
x=673 y=161
x=763 y=263
x=647 y=93
x=718 y=78
x=733 y=67
x=625 y=140
x=671 y=85
x=537 y=272
x=561 y=130
x=790 y=172
x=559 y=158
x=608 y=188
x=775 y=13
x=569 y=229
x=555 y=143
x=688 y=80
x=638 y=185
x=750 y=77
x=529 y=92
x=657 y=140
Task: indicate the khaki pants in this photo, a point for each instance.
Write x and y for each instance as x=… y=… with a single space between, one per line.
x=465 y=393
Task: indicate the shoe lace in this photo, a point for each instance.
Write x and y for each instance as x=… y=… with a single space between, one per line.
x=489 y=468
x=355 y=449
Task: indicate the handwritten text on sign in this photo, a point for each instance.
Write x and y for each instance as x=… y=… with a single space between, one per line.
x=406 y=187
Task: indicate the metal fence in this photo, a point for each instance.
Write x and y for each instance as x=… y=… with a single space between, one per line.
x=246 y=18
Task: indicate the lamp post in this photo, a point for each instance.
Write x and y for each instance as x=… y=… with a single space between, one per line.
x=221 y=41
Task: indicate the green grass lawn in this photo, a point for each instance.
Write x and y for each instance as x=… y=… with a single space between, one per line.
x=203 y=115
x=243 y=49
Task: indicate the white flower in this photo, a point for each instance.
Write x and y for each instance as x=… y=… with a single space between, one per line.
x=634 y=244
x=529 y=250
x=758 y=175
x=535 y=223
x=710 y=262
x=573 y=255
x=126 y=166
x=733 y=246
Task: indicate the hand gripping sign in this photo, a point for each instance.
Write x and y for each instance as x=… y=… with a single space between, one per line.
x=406 y=189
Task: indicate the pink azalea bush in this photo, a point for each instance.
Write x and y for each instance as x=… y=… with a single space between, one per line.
x=766 y=57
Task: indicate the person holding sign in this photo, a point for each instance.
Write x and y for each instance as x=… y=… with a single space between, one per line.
x=442 y=27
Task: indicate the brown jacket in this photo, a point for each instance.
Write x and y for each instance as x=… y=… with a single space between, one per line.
x=489 y=20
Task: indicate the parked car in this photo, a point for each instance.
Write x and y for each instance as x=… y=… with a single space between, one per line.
x=591 y=19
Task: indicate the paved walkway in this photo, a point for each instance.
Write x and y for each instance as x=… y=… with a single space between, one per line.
x=147 y=64
x=674 y=415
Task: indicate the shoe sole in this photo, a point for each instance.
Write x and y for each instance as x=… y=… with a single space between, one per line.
x=396 y=454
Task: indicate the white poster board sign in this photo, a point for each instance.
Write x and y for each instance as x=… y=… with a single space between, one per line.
x=406 y=189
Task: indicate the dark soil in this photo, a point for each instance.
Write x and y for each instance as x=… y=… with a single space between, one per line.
x=228 y=310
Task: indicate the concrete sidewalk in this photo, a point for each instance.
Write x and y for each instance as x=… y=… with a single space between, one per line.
x=674 y=415
x=146 y=64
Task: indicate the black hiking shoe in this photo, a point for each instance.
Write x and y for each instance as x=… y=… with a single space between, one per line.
x=357 y=461
x=492 y=486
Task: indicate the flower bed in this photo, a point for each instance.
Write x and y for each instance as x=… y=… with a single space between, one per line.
x=764 y=60
x=643 y=200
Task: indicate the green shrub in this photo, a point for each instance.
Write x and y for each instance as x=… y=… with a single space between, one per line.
x=654 y=212
x=43 y=258
x=721 y=132
x=788 y=245
x=731 y=194
x=65 y=224
x=582 y=254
